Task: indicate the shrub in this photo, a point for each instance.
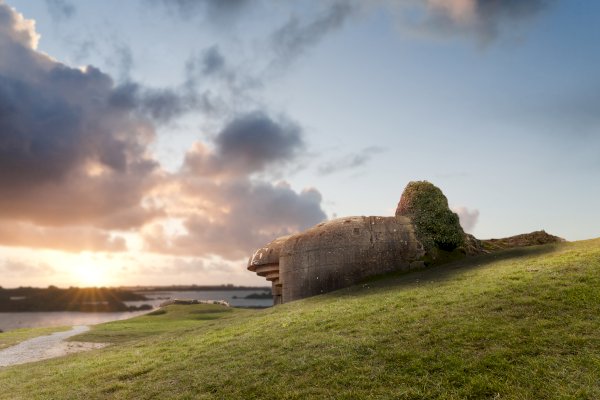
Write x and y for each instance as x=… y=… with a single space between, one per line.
x=436 y=226
x=160 y=311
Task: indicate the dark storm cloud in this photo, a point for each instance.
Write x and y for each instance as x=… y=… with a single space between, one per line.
x=255 y=140
x=67 y=155
x=60 y=9
x=350 y=161
x=296 y=36
x=247 y=144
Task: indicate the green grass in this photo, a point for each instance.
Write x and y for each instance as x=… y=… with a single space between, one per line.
x=17 y=336
x=173 y=320
x=521 y=324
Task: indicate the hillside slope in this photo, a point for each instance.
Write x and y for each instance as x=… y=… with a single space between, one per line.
x=520 y=324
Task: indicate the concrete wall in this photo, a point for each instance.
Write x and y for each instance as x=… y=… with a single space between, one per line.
x=342 y=252
x=336 y=254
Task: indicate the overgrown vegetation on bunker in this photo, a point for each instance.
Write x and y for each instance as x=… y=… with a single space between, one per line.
x=436 y=226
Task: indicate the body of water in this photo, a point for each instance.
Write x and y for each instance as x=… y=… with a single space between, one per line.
x=234 y=297
x=16 y=320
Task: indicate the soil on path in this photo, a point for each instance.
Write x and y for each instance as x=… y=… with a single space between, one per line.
x=44 y=347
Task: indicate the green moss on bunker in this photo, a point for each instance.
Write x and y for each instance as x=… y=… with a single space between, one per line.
x=437 y=227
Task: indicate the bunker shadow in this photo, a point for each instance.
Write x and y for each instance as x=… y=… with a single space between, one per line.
x=442 y=272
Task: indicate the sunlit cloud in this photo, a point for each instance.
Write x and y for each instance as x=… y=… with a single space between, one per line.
x=224 y=206
x=18 y=28
x=468 y=218
x=65 y=239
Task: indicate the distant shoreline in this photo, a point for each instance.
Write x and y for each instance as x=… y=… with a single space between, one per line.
x=192 y=288
x=72 y=299
x=149 y=288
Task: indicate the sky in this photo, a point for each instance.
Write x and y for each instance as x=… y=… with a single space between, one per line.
x=159 y=142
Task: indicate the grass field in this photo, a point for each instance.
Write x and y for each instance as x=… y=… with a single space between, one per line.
x=520 y=324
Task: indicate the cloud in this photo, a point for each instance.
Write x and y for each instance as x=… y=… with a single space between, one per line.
x=75 y=164
x=188 y=266
x=254 y=140
x=296 y=36
x=60 y=9
x=161 y=105
x=212 y=61
x=221 y=88
x=468 y=218
x=225 y=208
x=18 y=269
x=247 y=144
x=81 y=48
x=122 y=60
x=216 y=11
x=65 y=239
x=236 y=217
x=350 y=161
x=483 y=19
x=194 y=94
x=68 y=155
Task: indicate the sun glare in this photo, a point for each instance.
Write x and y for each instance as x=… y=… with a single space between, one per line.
x=89 y=273
x=89 y=276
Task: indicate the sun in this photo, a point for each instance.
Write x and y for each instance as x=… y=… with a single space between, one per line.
x=89 y=275
x=88 y=272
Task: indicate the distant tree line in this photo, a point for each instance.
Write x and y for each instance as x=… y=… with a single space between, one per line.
x=257 y=296
x=72 y=299
x=193 y=288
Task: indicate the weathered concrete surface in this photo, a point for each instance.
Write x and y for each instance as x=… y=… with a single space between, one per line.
x=336 y=254
x=342 y=252
x=265 y=262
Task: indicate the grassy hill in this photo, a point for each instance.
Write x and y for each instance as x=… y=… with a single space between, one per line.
x=520 y=324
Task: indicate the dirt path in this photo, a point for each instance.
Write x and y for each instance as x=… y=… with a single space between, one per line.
x=44 y=347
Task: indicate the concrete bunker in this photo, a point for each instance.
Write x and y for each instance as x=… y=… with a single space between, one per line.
x=339 y=253
x=344 y=251
x=336 y=254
